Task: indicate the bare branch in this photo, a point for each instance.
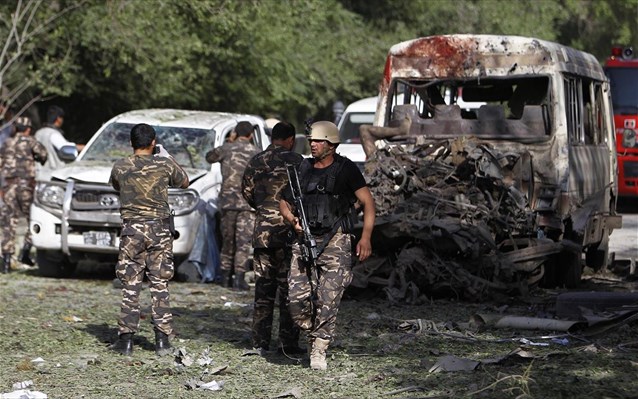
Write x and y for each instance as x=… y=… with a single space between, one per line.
x=46 y=24
x=21 y=111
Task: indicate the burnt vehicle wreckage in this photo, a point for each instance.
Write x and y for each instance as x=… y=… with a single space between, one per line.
x=497 y=198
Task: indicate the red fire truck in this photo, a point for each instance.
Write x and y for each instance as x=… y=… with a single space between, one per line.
x=622 y=70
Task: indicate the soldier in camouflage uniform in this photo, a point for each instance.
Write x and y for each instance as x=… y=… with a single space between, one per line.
x=330 y=185
x=17 y=165
x=146 y=243
x=237 y=218
x=264 y=179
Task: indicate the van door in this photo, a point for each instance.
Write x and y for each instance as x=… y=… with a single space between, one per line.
x=589 y=160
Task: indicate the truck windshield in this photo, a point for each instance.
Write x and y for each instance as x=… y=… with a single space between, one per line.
x=187 y=145
x=624 y=95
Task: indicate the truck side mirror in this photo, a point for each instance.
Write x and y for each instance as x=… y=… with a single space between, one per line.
x=628 y=138
x=68 y=153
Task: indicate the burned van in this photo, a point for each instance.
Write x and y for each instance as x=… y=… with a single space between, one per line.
x=503 y=195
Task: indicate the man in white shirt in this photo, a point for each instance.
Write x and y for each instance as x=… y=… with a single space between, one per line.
x=52 y=137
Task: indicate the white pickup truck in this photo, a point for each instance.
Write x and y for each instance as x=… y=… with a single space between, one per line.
x=75 y=215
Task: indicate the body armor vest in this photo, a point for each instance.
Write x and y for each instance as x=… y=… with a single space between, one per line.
x=324 y=208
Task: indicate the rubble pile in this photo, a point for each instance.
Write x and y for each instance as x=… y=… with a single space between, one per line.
x=452 y=219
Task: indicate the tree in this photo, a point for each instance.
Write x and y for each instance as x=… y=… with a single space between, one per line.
x=34 y=62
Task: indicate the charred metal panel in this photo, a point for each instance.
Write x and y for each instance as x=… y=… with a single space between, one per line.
x=465 y=56
x=589 y=173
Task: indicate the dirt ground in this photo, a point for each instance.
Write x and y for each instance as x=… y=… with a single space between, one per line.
x=55 y=333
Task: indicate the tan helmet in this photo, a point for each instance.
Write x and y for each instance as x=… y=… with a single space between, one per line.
x=324 y=130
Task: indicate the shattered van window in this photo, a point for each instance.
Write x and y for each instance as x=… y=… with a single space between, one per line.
x=496 y=108
x=187 y=145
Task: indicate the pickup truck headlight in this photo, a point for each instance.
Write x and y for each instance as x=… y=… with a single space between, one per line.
x=50 y=195
x=183 y=201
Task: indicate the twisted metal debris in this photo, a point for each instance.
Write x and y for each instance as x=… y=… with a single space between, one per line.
x=452 y=220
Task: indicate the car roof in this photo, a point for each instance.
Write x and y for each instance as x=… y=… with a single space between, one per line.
x=184 y=118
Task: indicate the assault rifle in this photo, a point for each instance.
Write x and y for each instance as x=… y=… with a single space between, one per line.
x=309 y=252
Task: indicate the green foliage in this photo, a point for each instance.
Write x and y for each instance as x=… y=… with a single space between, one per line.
x=595 y=26
x=290 y=58
x=35 y=60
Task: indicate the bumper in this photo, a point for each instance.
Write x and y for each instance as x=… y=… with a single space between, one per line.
x=48 y=233
x=627 y=176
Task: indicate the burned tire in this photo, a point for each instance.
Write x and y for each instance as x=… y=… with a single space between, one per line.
x=54 y=264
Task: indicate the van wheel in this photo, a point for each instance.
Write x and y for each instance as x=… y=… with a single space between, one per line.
x=54 y=264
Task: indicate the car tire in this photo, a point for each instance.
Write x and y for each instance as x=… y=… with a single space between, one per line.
x=54 y=264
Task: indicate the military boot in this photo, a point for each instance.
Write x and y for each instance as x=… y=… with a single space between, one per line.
x=6 y=263
x=124 y=344
x=225 y=279
x=239 y=282
x=162 y=344
x=25 y=255
x=318 y=354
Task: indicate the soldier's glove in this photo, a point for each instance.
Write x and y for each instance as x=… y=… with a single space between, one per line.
x=160 y=151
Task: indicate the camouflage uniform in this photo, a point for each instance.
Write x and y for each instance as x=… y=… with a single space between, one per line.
x=335 y=274
x=316 y=314
x=146 y=241
x=17 y=166
x=238 y=219
x=264 y=180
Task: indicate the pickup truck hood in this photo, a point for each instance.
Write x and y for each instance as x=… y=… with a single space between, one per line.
x=99 y=172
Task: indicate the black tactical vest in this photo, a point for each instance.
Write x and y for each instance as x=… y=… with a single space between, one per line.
x=324 y=208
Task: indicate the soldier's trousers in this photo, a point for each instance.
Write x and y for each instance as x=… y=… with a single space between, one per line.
x=146 y=247
x=317 y=316
x=18 y=197
x=271 y=271
x=237 y=231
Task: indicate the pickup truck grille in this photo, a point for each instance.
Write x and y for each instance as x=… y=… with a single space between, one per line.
x=95 y=200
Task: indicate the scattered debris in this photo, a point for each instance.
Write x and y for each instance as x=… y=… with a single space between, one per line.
x=24 y=394
x=22 y=384
x=480 y=321
x=204 y=386
x=293 y=392
x=453 y=363
x=454 y=220
x=204 y=359
x=183 y=358
x=72 y=319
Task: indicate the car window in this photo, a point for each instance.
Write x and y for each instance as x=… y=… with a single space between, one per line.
x=349 y=132
x=187 y=145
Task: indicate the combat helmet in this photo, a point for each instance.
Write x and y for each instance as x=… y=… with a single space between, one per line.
x=324 y=130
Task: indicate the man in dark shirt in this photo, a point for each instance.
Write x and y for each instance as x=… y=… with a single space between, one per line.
x=331 y=185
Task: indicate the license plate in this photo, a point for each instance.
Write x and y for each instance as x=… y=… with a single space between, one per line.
x=102 y=238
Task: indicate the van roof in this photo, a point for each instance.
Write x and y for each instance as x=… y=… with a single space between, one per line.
x=467 y=55
x=368 y=104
